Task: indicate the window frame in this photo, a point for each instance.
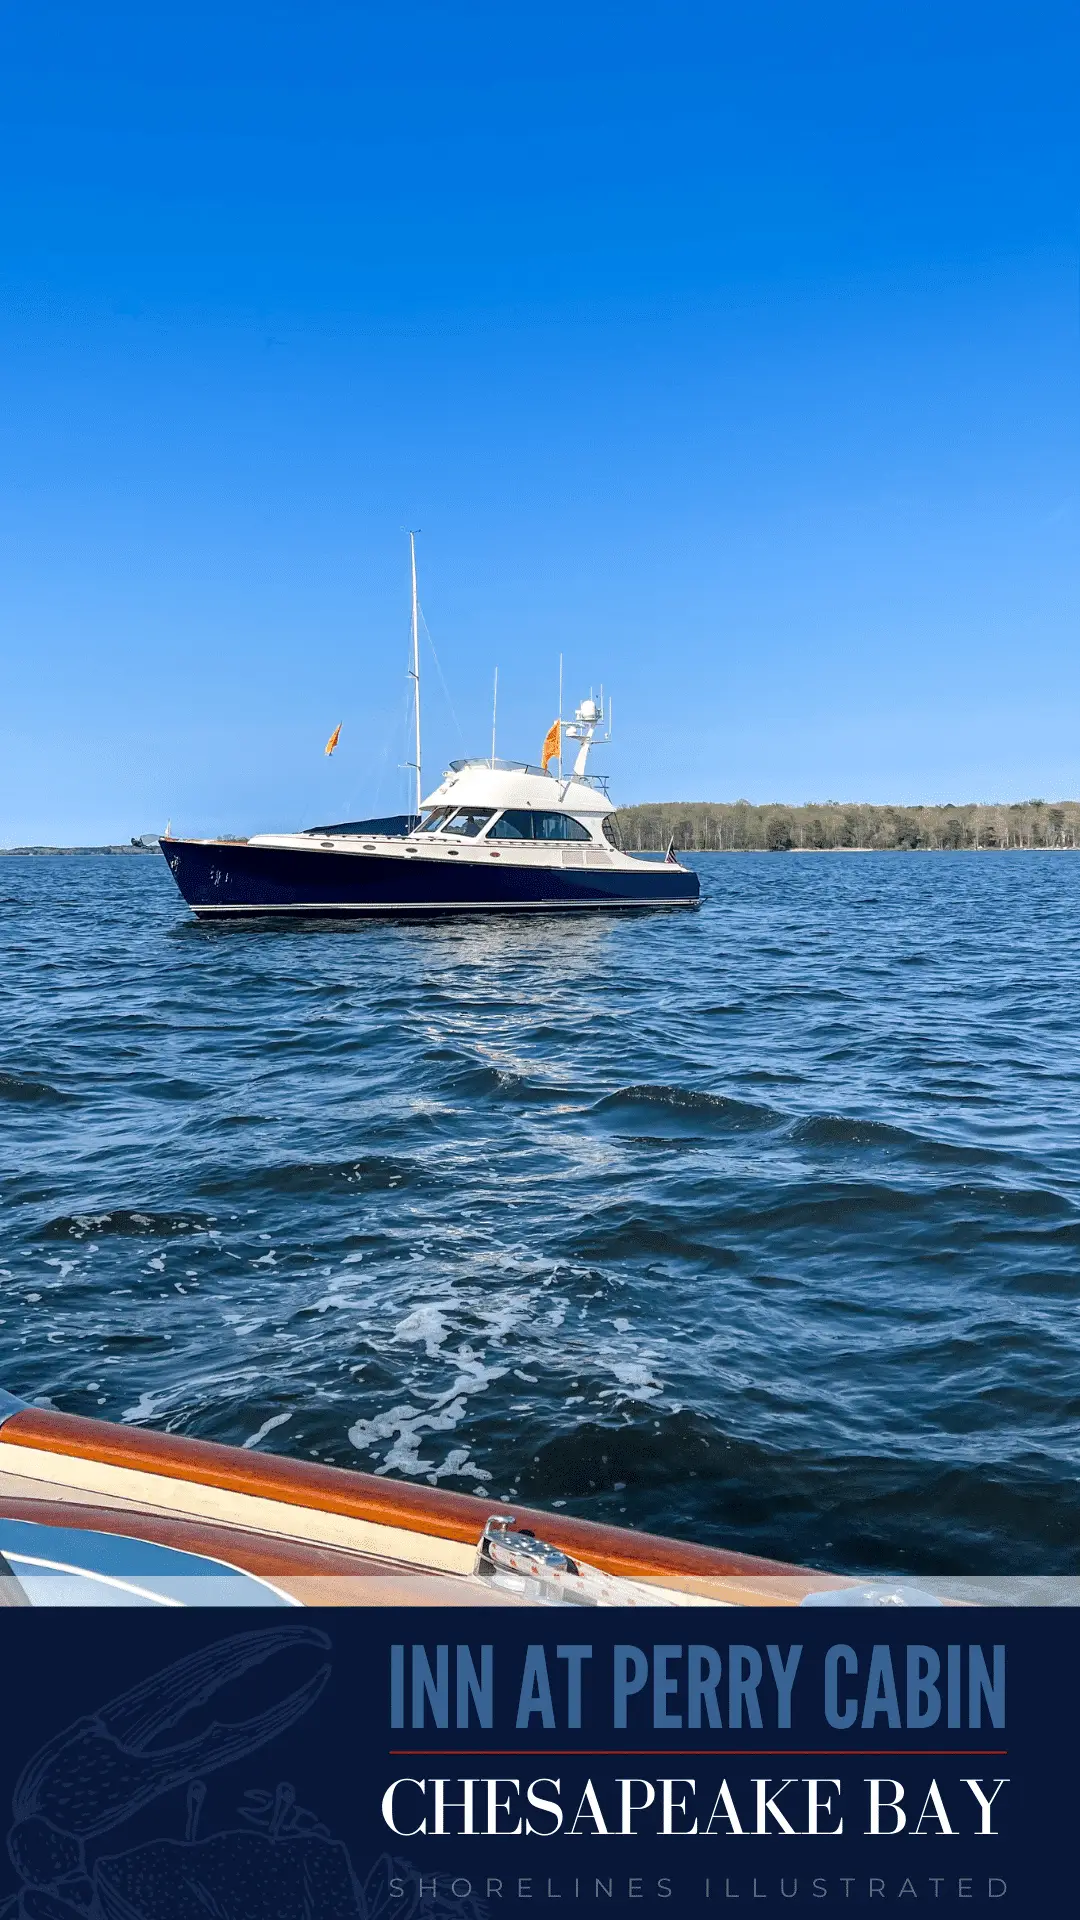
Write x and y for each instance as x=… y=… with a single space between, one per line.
x=581 y=838
x=484 y=828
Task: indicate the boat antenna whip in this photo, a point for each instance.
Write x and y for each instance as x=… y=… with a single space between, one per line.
x=560 y=716
x=414 y=671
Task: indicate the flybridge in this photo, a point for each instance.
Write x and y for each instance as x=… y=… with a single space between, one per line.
x=597 y=781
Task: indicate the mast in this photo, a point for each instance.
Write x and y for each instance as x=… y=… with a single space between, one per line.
x=414 y=673
x=560 y=716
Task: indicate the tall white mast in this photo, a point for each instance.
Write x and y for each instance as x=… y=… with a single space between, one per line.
x=415 y=671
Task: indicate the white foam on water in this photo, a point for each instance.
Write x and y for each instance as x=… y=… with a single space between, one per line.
x=425 y=1325
x=146 y=1405
x=458 y=1464
x=406 y=1427
x=276 y=1420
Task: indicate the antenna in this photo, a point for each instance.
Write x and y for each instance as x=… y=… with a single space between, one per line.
x=414 y=672
x=560 y=716
x=494 y=712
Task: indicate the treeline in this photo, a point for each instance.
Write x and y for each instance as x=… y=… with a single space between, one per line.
x=739 y=827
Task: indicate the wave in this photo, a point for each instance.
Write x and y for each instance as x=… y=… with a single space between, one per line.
x=839 y=1130
x=133 y=1223
x=502 y=1083
x=637 y=1236
x=681 y=1110
x=865 y=1512
x=374 y=1172
x=32 y=1091
x=1052 y=1280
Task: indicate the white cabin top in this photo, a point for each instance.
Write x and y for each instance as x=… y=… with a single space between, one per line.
x=486 y=797
x=510 y=783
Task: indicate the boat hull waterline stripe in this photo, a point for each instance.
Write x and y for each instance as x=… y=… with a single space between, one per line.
x=337 y=910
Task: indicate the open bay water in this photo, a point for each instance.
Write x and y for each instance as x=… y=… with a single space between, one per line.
x=759 y=1225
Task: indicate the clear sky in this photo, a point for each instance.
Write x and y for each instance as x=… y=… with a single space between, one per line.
x=731 y=350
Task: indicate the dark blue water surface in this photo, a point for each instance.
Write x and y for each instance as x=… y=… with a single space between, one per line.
x=759 y=1224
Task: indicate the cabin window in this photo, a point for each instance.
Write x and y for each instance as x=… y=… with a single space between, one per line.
x=469 y=821
x=611 y=832
x=514 y=825
x=523 y=823
x=558 y=826
x=432 y=820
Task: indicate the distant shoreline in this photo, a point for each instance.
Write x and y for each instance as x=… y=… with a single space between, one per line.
x=833 y=826
x=13 y=853
x=828 y=826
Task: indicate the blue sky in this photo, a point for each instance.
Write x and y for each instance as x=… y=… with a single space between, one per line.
x=730 y=351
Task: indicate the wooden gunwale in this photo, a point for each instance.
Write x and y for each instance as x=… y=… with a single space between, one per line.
x=312 y=1575
x=366 y=1497
x=263 y=1554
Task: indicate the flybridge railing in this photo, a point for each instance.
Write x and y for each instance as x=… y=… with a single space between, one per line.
x=598 y=781
x=498 y=766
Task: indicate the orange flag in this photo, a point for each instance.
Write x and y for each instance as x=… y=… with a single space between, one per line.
x=334 y=738
x=552 y=747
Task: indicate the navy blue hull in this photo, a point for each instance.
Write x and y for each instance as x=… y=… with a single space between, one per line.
x=225 y=878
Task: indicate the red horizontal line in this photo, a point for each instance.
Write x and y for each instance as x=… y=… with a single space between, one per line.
x=697 y=1753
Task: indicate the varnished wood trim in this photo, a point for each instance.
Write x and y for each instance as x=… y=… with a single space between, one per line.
x=363 y=1496
x=314 y=1576
x=69 y=1473
x=263 y=1554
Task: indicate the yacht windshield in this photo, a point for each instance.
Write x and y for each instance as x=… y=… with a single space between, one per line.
x=469 y=822
x=431 y=820
x=523 y=823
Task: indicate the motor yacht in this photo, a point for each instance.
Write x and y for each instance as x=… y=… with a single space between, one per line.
x=495 y=836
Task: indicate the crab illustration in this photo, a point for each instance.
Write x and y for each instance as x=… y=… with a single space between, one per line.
x=105 y=1767
x=284 y=1866
x=280 y=1864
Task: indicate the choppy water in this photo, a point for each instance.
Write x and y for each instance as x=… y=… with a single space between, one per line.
x=759 y=1224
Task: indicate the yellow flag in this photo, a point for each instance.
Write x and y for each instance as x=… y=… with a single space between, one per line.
x=334 y=738
x=552 y=747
